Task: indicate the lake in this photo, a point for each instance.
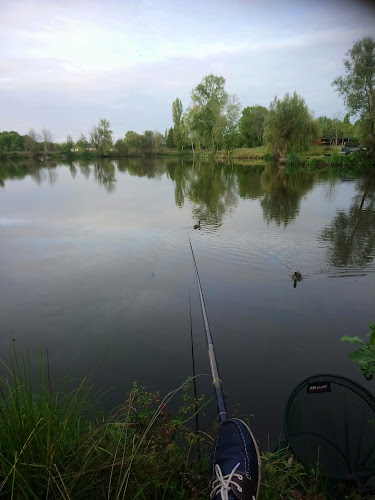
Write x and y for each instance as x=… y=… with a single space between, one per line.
x=96 y=267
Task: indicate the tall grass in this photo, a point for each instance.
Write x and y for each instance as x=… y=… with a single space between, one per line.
x=57 y=445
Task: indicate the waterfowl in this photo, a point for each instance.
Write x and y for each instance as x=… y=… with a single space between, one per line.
x=297 y=276
x=197 y=226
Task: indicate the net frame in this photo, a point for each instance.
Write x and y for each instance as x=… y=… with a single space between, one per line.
x=350 y=385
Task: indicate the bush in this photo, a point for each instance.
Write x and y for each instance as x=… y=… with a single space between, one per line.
x=268 y=157
x=292 y=160
x=312 y=163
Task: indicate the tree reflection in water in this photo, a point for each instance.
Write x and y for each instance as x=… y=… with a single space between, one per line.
x=283 y=192
x=351 y=235
x=105 y=174
x=213 y=190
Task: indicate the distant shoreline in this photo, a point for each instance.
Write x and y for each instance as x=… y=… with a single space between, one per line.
x=315 y=158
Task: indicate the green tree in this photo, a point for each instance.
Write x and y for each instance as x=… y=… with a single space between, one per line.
x=148 y=141
x=358 y=129
x=231 y=137
x=170 y=140
x=66 y=147
x=139 y=143
x=338 y=127
x=130 y=139
x=159 y=141
x=192 y=136
x=326 y=127
x=11 y=141
x=82 y=143
x=290 y=126
x=347 y=127
x=95 y=138
x=101 y=136
x=31 y=142
x=47 y=139
x=251 y=125
x=121 y=147
x=105 y=135
x=215 y=110
x=177 y=110
x=358 y=86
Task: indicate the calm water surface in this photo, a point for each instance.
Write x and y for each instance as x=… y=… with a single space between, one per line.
x=95 y=265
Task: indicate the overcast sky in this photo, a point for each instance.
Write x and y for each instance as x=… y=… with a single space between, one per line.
x=65 y=64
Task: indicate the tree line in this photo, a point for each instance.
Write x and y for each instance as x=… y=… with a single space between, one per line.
x=213 y=120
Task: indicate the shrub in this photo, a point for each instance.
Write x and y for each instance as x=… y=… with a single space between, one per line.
x=292 y=160
x=312 y=163
x=268 y=157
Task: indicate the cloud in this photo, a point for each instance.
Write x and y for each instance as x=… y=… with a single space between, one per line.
x=66 y=65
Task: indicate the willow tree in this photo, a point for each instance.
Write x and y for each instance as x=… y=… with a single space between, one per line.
x=290 y=126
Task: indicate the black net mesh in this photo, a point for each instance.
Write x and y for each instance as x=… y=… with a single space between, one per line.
x=329 y=422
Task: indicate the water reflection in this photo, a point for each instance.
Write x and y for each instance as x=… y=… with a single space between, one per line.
x=181 y=176
x=142 y=167
x=213 y=190
x=283 y=193
x=249 y=181
x=84 y=168
x=38 y=173
x=95 y=265
x=351 y=234
x=105 y=174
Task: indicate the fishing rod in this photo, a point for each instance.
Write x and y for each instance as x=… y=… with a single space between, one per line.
x=223 y=415
x=235 y=461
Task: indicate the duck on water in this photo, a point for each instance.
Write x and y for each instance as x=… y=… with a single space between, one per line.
x=297 y=276
x=197 y=226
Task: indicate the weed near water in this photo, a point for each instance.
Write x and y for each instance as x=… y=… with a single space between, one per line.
x=59 y=445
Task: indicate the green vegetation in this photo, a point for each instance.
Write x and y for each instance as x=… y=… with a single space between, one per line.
x=178 y=132
x=365 y=355
x=334 y=128
x=57 y=444
x=251 y=125
x=101 y=137
x=212 y=126
x=213 y=112
x=290 y=127
x=358 y=86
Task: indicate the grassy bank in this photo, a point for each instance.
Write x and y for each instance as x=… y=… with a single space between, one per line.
x=316 y=157
x=55 y=155
x=259 y=153
x=58 y=444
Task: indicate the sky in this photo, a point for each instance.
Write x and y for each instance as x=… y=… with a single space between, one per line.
x=66 y=64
